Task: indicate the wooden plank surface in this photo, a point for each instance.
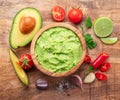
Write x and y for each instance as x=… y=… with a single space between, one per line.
x=10 y=86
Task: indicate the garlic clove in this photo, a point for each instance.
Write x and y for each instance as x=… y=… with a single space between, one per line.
x=89 y=78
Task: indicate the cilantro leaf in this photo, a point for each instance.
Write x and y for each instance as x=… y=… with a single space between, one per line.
x=89 y=41
x=88 y=22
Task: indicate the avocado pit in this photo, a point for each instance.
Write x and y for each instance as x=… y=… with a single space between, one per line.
x=27 y=24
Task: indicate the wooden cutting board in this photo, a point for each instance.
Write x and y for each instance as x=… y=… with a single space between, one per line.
x=12 y=89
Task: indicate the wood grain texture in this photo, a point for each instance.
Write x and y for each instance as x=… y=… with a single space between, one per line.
x=12 y=89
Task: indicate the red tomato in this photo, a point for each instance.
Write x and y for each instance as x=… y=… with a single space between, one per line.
x=75 y=15
x=101 y=76
x=105 y=67
x=58 y=13
x=26 y=62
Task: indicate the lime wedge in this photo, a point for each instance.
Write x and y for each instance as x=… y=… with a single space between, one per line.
x=109 y=40
x=103 y=27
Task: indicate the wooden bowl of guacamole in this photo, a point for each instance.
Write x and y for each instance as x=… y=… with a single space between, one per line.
x=58 y=49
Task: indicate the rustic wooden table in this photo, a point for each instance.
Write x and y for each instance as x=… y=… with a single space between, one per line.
x=12 y=89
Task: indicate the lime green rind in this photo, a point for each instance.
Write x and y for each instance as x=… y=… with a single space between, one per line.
x=109 y=40
x=101 y=31
x=27 y=41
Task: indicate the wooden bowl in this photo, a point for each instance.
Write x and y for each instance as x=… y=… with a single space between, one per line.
x=39 y=67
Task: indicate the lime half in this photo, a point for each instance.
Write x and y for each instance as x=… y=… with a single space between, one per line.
x=109 y=40
x=103 y=27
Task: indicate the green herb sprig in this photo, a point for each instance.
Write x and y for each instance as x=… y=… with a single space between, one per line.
x=90 y=42
x=88 y=22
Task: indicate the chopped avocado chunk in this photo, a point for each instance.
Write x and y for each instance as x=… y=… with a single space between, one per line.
x=18 y=69
x=19 y=39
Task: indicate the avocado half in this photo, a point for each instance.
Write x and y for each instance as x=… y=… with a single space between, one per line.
x=18 y=69
x=18 y=39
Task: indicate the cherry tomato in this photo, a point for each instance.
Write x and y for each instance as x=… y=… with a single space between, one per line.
x=75 y=15
x=87 y=59
x=26 y=62
x=58 y=13
x=105 y=67
x=101 y=76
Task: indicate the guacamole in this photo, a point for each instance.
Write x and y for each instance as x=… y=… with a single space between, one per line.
x=58 y=49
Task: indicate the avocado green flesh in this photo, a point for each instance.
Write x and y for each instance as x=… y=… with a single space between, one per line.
x=18 y=39
x=19 y=71
x=58 y=49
